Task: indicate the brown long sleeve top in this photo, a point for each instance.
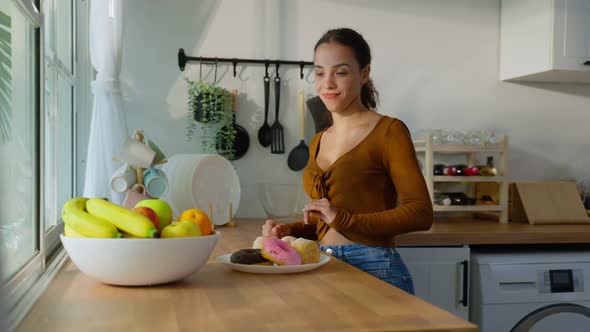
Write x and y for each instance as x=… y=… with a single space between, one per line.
x=377 y=187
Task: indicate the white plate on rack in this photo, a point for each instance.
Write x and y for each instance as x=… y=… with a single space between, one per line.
x=205 y=181
x=272 y=269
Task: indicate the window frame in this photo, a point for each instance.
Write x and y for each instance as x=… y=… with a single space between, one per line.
x=51 y=240
x=21 y=291
x=16 y=288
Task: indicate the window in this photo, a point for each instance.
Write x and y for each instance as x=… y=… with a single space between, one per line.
x=19 y=199
x=37 y=144
x=59 y=116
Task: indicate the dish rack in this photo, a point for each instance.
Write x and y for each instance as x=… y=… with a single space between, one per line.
x=496 y=186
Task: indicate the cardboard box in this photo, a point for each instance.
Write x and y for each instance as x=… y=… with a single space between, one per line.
x=547 y=203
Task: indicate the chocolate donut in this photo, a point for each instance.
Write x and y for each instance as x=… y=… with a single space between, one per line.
x=249 y=256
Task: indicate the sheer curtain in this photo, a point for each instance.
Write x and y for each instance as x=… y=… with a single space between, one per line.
x=108 y=127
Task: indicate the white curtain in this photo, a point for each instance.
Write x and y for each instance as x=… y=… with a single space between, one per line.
x=108 y=127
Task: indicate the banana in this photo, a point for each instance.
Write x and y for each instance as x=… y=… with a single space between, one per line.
x=75 y=217
x=70 y=232
x=129 y=236
x=126 y=220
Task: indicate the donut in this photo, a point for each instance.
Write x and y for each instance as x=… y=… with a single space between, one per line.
x=308 y=249
x=257 y=243
x=249 y=257
x=280 y=252
x=289 y=239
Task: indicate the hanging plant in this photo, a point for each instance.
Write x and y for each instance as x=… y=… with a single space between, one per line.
x=210 y=107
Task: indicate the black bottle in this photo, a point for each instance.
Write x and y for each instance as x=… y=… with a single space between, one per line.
x=438 y=169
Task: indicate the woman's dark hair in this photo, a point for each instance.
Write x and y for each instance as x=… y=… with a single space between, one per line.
x=362 y=53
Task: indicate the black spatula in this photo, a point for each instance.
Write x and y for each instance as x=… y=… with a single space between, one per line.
x=278 y=143
x=300 y=154
x=265 y=133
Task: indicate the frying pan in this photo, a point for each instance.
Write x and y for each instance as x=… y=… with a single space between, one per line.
x=322 y=118
x=241 y=140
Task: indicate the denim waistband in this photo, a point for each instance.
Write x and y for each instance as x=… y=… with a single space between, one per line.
x=354 y=248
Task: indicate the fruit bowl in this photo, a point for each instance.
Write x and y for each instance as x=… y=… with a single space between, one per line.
x=140 y=262
x=282 y=202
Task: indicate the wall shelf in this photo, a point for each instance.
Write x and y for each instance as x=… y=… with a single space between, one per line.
x=444 y=178
x=466 y=148
x=432 y=152
x=467 y=208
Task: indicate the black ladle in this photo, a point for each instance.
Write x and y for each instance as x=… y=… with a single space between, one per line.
x=241 y=140
x=265 y=133
x=299 y=156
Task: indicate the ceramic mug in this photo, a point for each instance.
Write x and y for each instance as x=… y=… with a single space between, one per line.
x=123 y=178
x=134 y=196
x=136 y=153
x=155 y=182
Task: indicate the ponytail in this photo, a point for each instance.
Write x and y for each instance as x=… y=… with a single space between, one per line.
x=369 y=95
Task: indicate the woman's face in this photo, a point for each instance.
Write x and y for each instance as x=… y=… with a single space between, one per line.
x=338 y=77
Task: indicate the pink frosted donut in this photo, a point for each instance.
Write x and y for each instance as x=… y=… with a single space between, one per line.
x=280 y=252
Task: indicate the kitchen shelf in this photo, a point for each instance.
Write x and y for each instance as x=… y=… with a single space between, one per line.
x=420 y=145
x=470 y=152
x=466 y=148
x=471 y=178
x=467 y=208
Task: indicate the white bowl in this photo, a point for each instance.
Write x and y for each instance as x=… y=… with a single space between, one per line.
x=139 y=262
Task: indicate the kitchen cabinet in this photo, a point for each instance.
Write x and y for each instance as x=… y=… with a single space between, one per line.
x=545 y=40
x=440 y=276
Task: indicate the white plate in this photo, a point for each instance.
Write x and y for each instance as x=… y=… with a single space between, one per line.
x=272 y=269
x=203 y=181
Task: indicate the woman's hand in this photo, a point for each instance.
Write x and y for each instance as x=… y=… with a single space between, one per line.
x=323 y=208
x=272 y=228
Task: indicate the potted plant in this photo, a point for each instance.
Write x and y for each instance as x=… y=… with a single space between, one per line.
x=210 y=106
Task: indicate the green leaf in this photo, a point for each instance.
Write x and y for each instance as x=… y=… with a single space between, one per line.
x=211 y=106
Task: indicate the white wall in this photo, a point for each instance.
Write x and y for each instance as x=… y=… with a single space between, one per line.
x=435 y=65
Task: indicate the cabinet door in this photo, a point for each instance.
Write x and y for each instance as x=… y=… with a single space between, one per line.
x=572 y=35
x=438 y=275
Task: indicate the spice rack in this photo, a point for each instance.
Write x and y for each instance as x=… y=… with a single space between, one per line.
x=469 y=153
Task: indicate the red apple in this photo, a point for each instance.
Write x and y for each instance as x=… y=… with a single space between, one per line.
x=150 y=214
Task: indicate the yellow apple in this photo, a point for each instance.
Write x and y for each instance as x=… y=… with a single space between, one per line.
x=161 y=208
x=185 y=228
x=199 y=217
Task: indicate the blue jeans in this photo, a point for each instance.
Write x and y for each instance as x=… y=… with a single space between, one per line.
x=381 y=262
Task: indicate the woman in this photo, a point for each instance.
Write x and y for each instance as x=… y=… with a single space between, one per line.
x=363 y=175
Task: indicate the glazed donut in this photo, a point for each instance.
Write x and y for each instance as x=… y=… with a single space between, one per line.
x=280 y=252
x=257 y=243
x=308 y=249
x=249 y=257
x=289 y=239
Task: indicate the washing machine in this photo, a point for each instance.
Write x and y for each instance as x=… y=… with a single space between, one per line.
x=523 y=290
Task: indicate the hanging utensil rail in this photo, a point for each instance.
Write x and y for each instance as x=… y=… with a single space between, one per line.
x=183 y=59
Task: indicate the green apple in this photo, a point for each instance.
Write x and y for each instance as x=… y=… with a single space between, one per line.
x=185 y=228
x=161 y=208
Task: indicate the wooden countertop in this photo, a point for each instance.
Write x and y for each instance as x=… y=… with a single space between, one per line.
x=335 y=297
x=481 y=231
